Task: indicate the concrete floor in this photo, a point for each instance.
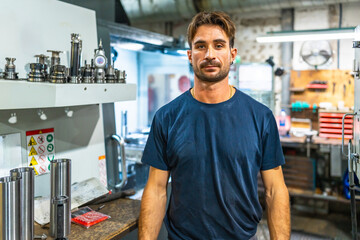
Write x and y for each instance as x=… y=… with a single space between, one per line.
x=315 y=227
x=304 y=227
x=310 y=220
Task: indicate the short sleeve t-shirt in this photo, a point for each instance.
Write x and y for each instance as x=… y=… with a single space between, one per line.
x=214 y=153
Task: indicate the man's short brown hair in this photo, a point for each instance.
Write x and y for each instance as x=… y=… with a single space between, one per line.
x=220 y=19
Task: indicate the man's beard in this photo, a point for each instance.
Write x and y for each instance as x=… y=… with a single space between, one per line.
x=217 y=78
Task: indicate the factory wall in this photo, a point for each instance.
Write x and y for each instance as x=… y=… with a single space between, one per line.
x=251 y=25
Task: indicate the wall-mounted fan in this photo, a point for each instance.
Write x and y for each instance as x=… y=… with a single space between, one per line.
x=316 y=53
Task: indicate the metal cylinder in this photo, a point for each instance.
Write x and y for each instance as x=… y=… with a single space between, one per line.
x=9 y=208
x=60 y=174
x=75 y=58
x=58 y=74
x=36 y=73
x=62 y=217
x=26 y=175
x=10 y=73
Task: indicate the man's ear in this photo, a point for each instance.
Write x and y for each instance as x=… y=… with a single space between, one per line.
x=189 y=54
x=233 y=52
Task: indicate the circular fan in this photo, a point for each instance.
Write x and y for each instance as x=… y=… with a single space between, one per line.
x=316 y=53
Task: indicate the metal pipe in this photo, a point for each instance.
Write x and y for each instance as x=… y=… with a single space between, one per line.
x=287 y=24
x=9 y=208
x=60 y=175
x=26 y=175
x=62 y=219
x=112 y=164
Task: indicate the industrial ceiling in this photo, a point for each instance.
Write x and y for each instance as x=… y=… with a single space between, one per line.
x=178 y=10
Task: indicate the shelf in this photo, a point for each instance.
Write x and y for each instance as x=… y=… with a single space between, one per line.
x=23 y=94
x=296 y=192
x=297 y=89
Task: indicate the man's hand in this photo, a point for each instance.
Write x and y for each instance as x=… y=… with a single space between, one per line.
x=153 y=204
x=277 y=202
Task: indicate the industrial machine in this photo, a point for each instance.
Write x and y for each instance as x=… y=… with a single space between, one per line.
x=353 y=149
x=51 y=108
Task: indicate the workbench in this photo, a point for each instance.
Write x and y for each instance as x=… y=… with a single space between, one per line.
x=301 y=171
x=124 y=215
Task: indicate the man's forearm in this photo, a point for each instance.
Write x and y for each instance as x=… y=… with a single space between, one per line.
x=278 y=214
x=153 y=205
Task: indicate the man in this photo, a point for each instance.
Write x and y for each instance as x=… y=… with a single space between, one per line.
x=213 y=140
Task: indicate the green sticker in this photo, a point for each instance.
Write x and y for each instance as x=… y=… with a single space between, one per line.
x=50 y=148
x=49 y=137
x=51 y=157
x=49 y=167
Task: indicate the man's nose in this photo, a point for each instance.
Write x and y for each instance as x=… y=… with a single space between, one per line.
x=210 y=53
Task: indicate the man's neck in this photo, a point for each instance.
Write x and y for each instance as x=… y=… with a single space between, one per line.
x=209 y=92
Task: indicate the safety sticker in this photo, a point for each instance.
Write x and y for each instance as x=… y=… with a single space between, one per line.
x=33 y=162
x=49 y=137
x=32 y=141
x=50 y=148
x=42 y=159
x=42 y=169
x=102 y=170
x=32 y=152
x=41 y=139
x=41 y=149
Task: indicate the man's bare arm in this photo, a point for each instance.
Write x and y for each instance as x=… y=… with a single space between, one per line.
x=153 y=204
x=277 y=202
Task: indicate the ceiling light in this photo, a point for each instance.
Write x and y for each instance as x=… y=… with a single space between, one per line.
x=307 y=35
x=12 y=118
x=69 y=112
x=42 y=115
x=132 y=46
x=182 y=52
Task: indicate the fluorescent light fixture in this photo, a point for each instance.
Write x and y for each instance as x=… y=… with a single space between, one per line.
x=308 y=35
x=132 y=46
x=12 y=118
x=182 y=52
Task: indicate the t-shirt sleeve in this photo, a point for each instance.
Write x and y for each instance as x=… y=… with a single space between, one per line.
x=272 y=155
x=155 y=148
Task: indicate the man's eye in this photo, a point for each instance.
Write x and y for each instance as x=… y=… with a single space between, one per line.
x=219 y=45
x=200 y=46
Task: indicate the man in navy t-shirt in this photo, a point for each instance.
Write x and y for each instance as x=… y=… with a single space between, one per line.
x=213 y=140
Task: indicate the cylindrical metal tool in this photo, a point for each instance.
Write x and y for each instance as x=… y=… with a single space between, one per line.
x=60 y=174
x=55 y=57
x=42 y=60
x=110 y=74
x=100 y=62
x=87 y=74
x=76 y=45
x=120 y=76
x=26 y=175
x=9 y=208
x=62 y=217
x=36 y=73
x=58 y=74
x=10 y=73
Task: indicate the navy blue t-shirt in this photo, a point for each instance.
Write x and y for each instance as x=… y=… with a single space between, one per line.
x=214 y=153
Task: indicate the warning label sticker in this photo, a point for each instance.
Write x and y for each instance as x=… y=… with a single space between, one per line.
x=33 y=161
x=40 y=139
x=32 y=142
x=32 y=152
x=40 y=149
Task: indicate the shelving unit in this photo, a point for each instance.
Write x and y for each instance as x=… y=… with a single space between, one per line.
x=24 y=95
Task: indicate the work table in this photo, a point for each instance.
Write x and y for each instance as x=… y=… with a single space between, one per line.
x=124 y=215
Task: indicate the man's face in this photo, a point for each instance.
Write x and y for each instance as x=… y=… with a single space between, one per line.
x=210 y=54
